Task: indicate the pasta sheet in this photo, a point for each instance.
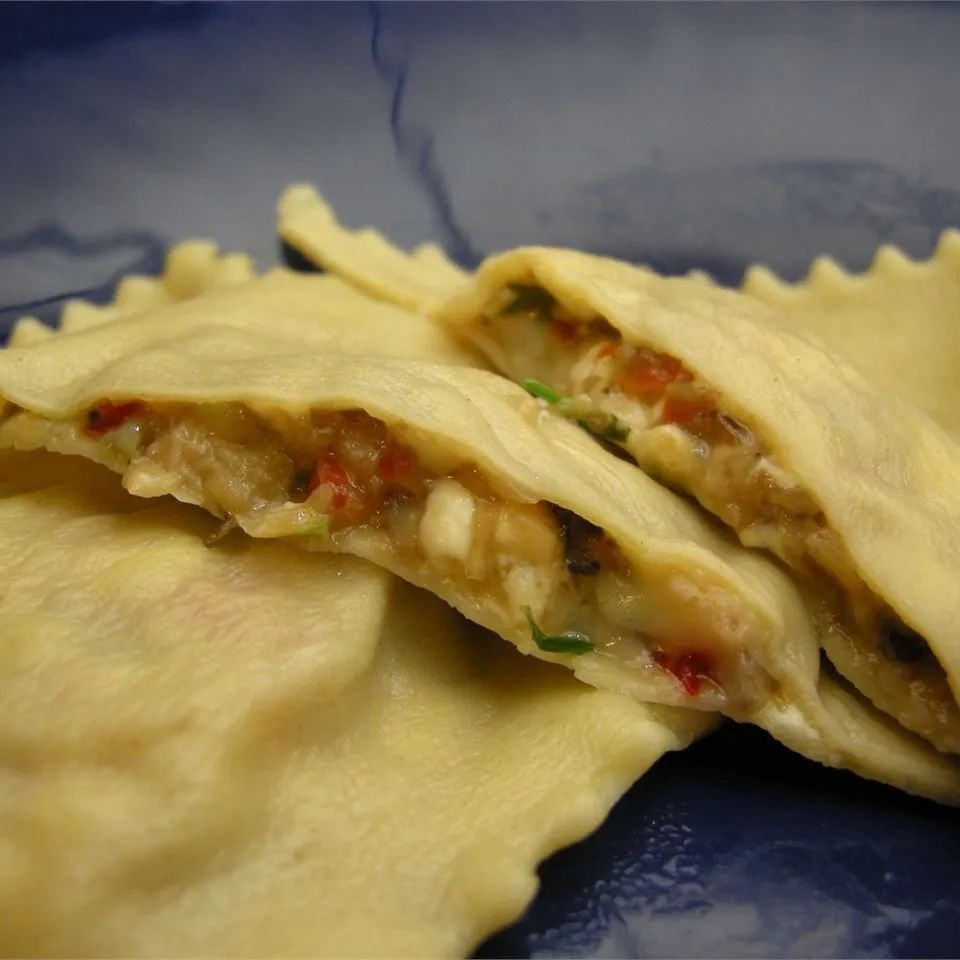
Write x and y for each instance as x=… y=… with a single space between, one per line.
x=250 y=750
x=481 y=419
x=256 y=751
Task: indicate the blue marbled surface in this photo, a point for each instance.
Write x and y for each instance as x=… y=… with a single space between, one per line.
x=682 y=135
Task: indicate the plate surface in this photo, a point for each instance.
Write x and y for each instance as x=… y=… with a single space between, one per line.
x=681 y=135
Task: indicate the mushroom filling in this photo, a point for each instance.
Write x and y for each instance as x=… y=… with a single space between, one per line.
x=533 y=571
x=670 y=421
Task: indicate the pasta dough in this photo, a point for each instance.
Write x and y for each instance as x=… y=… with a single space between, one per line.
x=899 y=323
x=418 y=280
x=255 y=751
x=266 y=766
x=226 y=411
x=786 y=443
x=192 y=268
x=693 y=351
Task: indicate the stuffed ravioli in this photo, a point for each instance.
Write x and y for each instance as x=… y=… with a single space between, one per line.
x=768 y=430
x=458 y=481
x=784 y=442
x=280 y=774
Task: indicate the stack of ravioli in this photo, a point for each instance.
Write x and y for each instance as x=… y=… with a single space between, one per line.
x=308 y=577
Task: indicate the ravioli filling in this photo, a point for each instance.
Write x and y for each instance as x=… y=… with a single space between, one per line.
x=534 y=572
x=670 y=421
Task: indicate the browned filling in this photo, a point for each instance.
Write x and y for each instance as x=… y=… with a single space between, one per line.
x=346 y=481
x=649 y=404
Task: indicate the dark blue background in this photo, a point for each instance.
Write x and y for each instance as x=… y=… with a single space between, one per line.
x=684 y=135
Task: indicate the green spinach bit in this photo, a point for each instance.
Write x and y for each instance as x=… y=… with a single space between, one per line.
x=539 y=389
x=570 y=642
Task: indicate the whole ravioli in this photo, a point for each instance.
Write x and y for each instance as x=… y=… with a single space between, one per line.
x=243 y=422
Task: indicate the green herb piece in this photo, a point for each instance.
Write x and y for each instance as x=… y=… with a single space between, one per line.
x=570 y=642
x=614 y=429
x=528 y=298
x=541 y=390
x=322 y=526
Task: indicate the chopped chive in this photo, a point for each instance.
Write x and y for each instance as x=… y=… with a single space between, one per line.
x=570 y=642
x=539 y=389
x=614 y=429
x=528 y=298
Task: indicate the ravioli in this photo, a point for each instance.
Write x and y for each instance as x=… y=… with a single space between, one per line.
x=784 y=441
x=259 y=854
x=418 y=280
x=458 y=481
x=612 y=375
x=192 y=268
x=899 y=322
x=256 y=751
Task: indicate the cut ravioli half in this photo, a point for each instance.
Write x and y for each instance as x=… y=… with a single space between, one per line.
x=629 y=380
x=458 y=481
x=782 y=440
x=277 y=736
x=256 y=751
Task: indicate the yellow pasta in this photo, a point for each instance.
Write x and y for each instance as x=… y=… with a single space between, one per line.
x=257 y=751
x=223 y=415
x=899 y=322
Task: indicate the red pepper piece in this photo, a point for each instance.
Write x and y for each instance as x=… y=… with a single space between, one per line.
x=690 y=668
x=649 y=373
x=330 y=471
x=681 y=410
x=107 y=416
x=395 y=464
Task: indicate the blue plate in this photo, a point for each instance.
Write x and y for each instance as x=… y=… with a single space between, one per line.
x=681 y=135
